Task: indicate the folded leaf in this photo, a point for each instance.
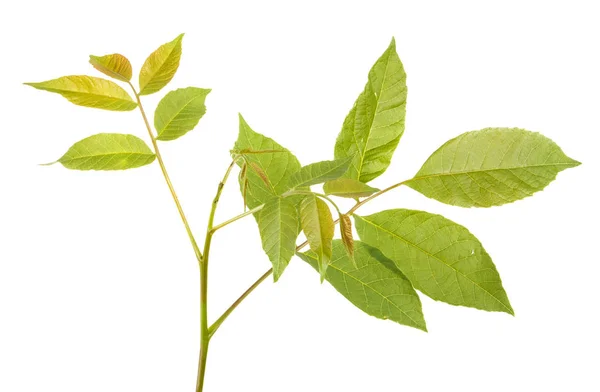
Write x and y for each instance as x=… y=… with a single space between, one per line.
x=278 y=225
x=107 y=151
x=277 y=166
x=160 y=67
x=375 y=124
x=317 y=224
x=490 y=167
x=441 y=258
x=374 y=285
x=346 y=233
x=114 y=65
x=179 y=112
x=89 y=91
x=347 y=187
x=319 y=172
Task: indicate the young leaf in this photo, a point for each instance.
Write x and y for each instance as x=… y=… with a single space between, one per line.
x=375 y=124
x=89 y=91
x=317 y=223
x=441 y=258
x=374 y=284
x=347 y=187
x=160 y=67
x=276 y=166
x=114 y=65
x=490 y=167
x=179 y=112
x=346 y=233
x=319 y=172
x=107 y=151
x=278 y=225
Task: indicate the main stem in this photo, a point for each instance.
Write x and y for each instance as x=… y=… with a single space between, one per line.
x=204 y=330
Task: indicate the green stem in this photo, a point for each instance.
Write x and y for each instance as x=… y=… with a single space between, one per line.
x=166 y=176
x=204 y=331
x=235 y=218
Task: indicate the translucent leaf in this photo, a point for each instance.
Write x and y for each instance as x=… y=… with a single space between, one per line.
x=346 y=233
x=107 y=151
x=179 y=112
x=374 y=285
x=160 y=67
x=441 y=258
x=277 y=166
x=490 y=167
x=114 y=65
x=375 y=124
x=347 y=187
x=278 y=225
x=317 y=224
x=89 y=91
x=319 y=172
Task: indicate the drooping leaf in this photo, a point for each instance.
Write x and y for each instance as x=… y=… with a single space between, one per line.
x=179 y=112
x=374 y=285
x=107 y=151
x=347 y=187
x=89 y=91
x=319 y=172
x=346 y=233
x=114 y=65
x=278 y=225
x=490 y=167
x=277 y=166
x=160 y=67
x=317 y=224
x=261 y=173
x=441 y=258
x=375 y=124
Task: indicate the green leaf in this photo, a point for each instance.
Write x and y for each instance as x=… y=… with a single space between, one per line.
x=490 y=167
x=277 y=166
x=374 y=285
x=160 y=67
x=179 y=112
x=441 y=258
x=347 y=187
x=278 y=225
x=89 y=91
x=319 y=172
x=317 y=223
x=107 y=151
x=375 y=124
x=346 y=234
x=114 y=65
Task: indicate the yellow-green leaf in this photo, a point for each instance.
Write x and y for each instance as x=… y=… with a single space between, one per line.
x=179 y=112
x=107 y=151
x=319 y=172
x=373 y=284
x=114 y=65
x=491 y=167
x=160 y=67
x=346 y=233
x=317 y=224
x=347 y=187
x=89 y=91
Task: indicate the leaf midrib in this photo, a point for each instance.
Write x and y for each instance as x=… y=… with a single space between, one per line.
x=510 y=311
x=177 y=114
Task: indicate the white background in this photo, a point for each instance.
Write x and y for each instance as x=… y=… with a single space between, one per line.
x=98 y=283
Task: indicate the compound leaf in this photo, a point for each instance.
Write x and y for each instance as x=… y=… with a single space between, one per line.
x=347 y=187
x=373 y=128
x=89 y=91
x=490 y=167
x=160 y=67
x=278 y=225
x=441 y=258
x=114 y=65
x=179 y=112
x=107 y=151
x=317 y=224
x=374 y=284
x=319 y=172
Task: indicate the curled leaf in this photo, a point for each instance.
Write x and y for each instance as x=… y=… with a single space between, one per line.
x=114 y=65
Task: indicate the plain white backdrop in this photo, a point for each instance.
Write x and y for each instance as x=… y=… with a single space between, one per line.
x=99 y=285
